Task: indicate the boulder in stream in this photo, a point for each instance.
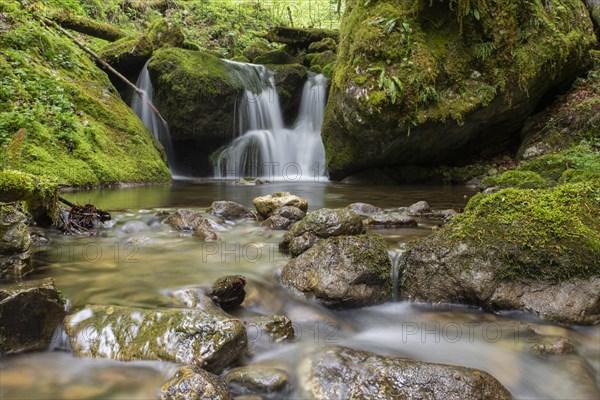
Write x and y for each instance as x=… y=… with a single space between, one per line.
x=267 y=205
x=364 y=209
x=343 y=373
x=283 y=217
x=187 y=220
x=207 y=338
x=228 y=292
x=230 y=210
x=257 y=379
x=30 y=312
x=193 y=383
x=15 y=244
x=343 y=271
x=391 y=220
x=321 y=224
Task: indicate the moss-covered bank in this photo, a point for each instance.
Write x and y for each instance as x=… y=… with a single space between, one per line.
x=60 y=117
x=428 y=83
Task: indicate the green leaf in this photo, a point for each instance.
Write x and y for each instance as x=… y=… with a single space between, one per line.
x=476 y=14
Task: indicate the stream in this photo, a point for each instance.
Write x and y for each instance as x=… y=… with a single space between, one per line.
x=137 y=262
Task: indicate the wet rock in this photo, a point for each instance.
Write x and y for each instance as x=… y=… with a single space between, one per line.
x=277 y=222
x=343 y=271
x=15 y=244
x=419 y=208
x=257 y=379
x=343 y=373
x=30 y=312
x=322 y=45
x=193 y=383
x=391 y=220
x=230 y=210
x=228 y=291
x=130 y=227
x=446 y=215
x=267 y=205
x=187 y=220
x=292 y=213
x=553 y=346
x=364 y=209
x=128 y=55
x=323 y=223
x=207 y=338
x=278 y=327
x=300 y=244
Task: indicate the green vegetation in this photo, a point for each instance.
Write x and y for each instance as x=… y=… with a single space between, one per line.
x=30 y=192
x=549 y=234
x=60 y=116
x=518 y=179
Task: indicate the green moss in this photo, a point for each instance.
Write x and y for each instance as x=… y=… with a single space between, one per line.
x=323 y=45
x=582 y=158
x=165 y=33
x=240 y=58
x=541 y=234
x=61 y=117
x=31 y=191
x=127 y=50
x=274 y=57
x=255 y=49
x=518 y=179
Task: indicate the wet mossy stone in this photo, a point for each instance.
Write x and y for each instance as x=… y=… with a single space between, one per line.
x=37 y=195
x=323 y=45
x=299 y=37
x=343 y=271
x=515 y=249
x=15 y=244
x=228 y=292
x=163 y=33
x=128 y=55
x=255 y=49
x=230 y=210
x=518 y=179
x=206 y=338
x=269 y=204
x=257 y=379
x=240 y=58
x=321 y=59
x=289 y=82
x=274 y=57
x=430 y=84
x=30 y=312
x=193 y=383
x=344 y=373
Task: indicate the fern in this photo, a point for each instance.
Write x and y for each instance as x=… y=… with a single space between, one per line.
x=484 y=50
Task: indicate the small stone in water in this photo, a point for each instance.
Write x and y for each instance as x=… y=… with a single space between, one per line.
x=228 y=291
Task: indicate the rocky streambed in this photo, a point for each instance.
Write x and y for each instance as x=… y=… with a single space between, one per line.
x=286 y=296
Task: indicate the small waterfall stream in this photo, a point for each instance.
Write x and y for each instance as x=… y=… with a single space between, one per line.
x=264 y=147
x=156 y=125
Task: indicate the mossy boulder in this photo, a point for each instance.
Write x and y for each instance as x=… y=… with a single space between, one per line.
x=343 y=271
x=196 y=94
x=433 y=83
x=164 y=33
x=37 y=195
x=344 y=373
x=323 y=45
x=274 y=57
x=518 y=179
x=30 y=312
x=289 y=81
x=255 y=49
x=321 y=59
x=205 y=338
x=15 y=244
x=515 y=249
x=583 y=158
x=240 y=58
x=128 y=55
x=269 y=204
x=61 y=117
x=299 y=37
x=257 y=379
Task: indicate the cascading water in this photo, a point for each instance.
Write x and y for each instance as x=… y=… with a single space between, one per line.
x=266 y=148
x=155 y=124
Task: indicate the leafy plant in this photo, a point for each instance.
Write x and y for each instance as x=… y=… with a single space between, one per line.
x=484 y=50
x=391 y=85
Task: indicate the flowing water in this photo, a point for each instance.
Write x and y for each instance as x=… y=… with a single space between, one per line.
x=138 y=261
x=142 y=106
x=267 y=149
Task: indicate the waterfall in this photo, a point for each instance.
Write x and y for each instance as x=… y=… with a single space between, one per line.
x=262 y=146
x=396 y=256
x=154 y=123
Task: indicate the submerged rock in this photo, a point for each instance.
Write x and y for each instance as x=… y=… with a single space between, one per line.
x=284 y=217
x=230 y=210
x=228 y=292
x=419 y=208
x=187 y=220
x=391 y=220
x=278 y=327
x=30 y=312
x=343 y=271
x=15 y=244
x=323 y=223
x=364 y=209
x=257 y=379
x=553 y=346
x=277 y=222
x=193 y=383
x=267 y=205
x=531 y=250
x=206 y=338
x=343 y=373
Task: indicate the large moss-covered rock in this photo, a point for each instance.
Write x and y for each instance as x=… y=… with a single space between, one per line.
x=274 y=57
x=343 y=271
x=36 y=195
x=60 y=115
x=257 y=379
x=534 y=250
x=342 y=373
x=196 y=94
x=289 y=81
x=15 y=244
x=163 y=33
x=269 y=204
x=30 y=312
x=128 y=55
x=441 y=82
x=207 y=338
x=193 y=383
x=299 y=37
